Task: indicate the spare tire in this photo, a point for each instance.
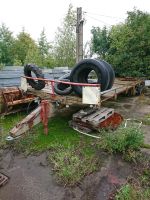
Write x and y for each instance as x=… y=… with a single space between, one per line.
x=111 y=73
x=80 y=73
x=63 y=89
x=31 y=68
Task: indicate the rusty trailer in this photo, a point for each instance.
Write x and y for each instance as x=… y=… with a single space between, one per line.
x=126 y=86
x=51 y=102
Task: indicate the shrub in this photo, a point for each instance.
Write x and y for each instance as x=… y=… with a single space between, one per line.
x=123 y=139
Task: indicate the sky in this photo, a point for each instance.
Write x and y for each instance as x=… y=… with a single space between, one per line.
x=34 y=15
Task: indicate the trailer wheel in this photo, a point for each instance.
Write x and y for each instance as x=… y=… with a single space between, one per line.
x=30 y=69
x=63 y=89
x=81 y=71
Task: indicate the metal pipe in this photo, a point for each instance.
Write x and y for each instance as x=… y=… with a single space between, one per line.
x=64 y=82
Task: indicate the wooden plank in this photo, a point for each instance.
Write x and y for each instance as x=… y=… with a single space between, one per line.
x=24 y=125
x=83 y=113
x=103 y=115
x=90 y=117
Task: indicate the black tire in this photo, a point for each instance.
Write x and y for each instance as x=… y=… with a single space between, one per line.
x=63 y=89
x=80 y=73
x=28 y=69
x=111 y=73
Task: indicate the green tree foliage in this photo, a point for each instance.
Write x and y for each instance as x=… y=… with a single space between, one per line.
x=45 y=50
x=23 y=44
x=129 y=45
x=33 y=56
x=65 y=41
x=6 y=46
x=100 y=41
x=43 y=44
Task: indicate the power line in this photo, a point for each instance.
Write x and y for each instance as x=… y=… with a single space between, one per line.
x=112 y=17
x=98 y=20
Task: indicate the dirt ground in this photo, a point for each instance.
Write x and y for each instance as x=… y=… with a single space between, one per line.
x=31 y=178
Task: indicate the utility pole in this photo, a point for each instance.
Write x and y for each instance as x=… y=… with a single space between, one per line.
x=79 y=35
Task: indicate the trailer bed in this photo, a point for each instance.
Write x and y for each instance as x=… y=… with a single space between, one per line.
x=121 y=86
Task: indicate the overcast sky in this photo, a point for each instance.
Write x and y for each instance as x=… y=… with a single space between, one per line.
x=33 y=15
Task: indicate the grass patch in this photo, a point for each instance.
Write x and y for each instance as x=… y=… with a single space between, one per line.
x=122 y=140
x=59 y=133
x=72 y=164
x=71 y=154
x=6 y=123
x=137 y=186
x=130 y=192
x=146 y=120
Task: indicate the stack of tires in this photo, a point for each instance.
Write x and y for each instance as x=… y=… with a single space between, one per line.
x=103 y=72
x=83 y=71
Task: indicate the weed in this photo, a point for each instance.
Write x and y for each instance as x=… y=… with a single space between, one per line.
x=59 y=133
x=137 y=188
x=146 y=146
x=125 y=193
x=145 y=176
x=146 y=120
x=6 y=123
x=132 y=155
x=130 y=192
x=123 y=139
x=72 y=164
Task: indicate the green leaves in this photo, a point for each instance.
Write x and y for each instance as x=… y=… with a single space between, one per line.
x=65 y=40
x=123 y=139
x=6 y=45
x=100 y=41
x=126 y=46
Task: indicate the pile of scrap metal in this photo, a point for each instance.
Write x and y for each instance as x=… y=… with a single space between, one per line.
x=91 y=119
x=13 y=99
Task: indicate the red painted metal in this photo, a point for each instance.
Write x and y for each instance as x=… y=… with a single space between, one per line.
x=64 y=82
x=45 y=114
x=112 y=122
x=68 y=83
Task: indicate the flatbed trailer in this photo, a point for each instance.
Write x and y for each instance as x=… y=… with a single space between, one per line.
x=51 y=102
x=120 y=86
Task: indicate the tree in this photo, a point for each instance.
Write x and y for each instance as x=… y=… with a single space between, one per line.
x=65 y=40
x=45 y=49
x=43 y=44
x=100 y=41
x=129 y=45
x=33 y=56
x=6 y=45
x=23 y=44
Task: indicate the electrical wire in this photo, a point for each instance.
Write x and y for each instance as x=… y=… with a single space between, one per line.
x=98 y=20
x=112 y=17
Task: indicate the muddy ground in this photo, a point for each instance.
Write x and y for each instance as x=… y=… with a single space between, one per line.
x=31 y=178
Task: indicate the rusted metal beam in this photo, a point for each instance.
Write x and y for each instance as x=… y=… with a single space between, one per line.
x=40 y=114
x=20 y=101
x=12 y=96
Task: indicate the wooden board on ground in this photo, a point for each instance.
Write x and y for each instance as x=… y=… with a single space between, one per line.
x=93 y=118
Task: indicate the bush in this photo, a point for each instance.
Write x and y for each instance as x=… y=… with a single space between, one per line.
x=123 y=139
